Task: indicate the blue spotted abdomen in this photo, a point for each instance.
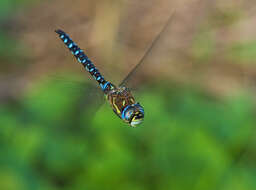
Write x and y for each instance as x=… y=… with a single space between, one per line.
x=84 y=60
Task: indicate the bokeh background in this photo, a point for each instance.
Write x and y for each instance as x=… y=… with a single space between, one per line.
x=197 y=86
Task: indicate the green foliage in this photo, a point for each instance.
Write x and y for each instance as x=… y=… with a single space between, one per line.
x=204 y=46
x=8 y=6
x=243 y=52
x=10 y=51
x=188 y=140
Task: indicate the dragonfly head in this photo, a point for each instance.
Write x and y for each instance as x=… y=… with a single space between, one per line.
x=134 y=114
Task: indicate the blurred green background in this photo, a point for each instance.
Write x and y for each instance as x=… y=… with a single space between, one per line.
x=197 y=87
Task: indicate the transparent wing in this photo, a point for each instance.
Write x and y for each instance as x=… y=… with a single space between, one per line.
x=88 y=100
x=73 y=101
x=85 y=97
x=89 y=96
x=86 y=105
x=147 y=53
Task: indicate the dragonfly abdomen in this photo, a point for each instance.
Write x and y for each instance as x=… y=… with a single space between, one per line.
x=84 y=60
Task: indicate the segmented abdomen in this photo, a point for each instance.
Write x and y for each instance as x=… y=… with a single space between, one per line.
x=84 y=60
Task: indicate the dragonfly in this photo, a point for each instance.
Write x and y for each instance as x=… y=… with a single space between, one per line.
x=119 y=97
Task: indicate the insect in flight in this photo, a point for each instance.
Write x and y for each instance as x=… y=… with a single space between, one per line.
x=120 y=97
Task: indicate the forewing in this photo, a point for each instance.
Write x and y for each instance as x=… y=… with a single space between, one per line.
x=127 y=81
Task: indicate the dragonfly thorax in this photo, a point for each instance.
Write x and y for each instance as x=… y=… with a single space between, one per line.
x=124 y=105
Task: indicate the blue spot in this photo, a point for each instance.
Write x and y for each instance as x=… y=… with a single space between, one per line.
x=105 y=85
x=77 y=52
x=99 y=77
x=87 y=68
x=84 y=60
x=79 y=60
x=65 y=40
x=70 y=45
x=123 y=112
x=62 y=36
x=81 y=50
x=91 y=69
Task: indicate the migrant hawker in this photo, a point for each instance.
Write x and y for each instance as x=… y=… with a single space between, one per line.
x=120 y=97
